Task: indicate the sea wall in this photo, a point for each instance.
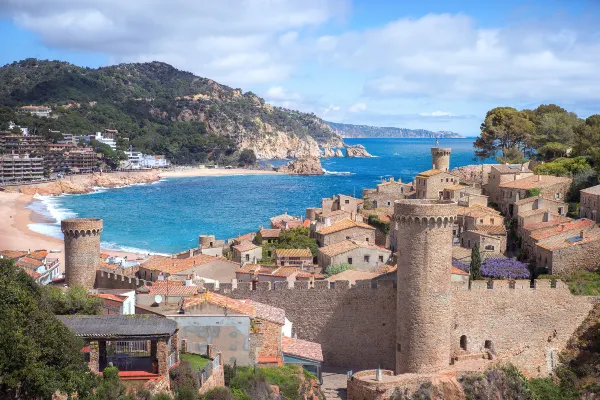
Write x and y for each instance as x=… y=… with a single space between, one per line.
x=356 y=326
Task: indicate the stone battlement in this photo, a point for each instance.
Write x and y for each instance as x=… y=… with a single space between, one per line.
x=111 y=280
x=497 y=285
x=81 y=226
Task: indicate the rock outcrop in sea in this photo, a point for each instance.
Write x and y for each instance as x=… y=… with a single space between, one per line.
x=357 y=151
x=339 y=153
x=303 y=166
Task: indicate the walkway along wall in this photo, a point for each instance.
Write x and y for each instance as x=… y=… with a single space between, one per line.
x=356 y=325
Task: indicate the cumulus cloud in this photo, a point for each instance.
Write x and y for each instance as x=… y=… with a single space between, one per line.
x=358 y=107
x=446 y=56
x=231 y=41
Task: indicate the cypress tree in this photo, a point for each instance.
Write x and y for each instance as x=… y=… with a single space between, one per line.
x=475 y=266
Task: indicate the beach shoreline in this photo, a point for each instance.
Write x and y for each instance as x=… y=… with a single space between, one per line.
x=192 y=172
x=15 y=233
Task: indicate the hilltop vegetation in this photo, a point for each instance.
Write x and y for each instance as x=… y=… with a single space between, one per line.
x=159 y=109
x=365 y=131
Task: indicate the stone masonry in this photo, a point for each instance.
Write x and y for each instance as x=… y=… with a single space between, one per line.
x=441 y=158
x=82 y=250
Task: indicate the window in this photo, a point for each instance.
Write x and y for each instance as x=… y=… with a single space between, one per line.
x=489 y=247
x=347 y=237
x=557 y=195
x=492 y=221
x=481 y=220
x=367 y=259
x=350 y=260
x=389 y=203
x=561 y=210
x=469 y=243
x=366 y=239
x=447 y=180
x=380 y=258
x=247 y=257
x=346 y=201
x=463 y=342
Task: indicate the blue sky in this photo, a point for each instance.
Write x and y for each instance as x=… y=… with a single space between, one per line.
x=432 y=64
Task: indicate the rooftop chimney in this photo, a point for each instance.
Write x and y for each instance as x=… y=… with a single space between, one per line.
x=581 y=234
x=539 y=178
x=547 y=216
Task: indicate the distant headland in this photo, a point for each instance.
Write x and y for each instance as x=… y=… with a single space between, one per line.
x=366 y=131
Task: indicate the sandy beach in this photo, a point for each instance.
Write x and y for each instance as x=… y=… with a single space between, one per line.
x=183 y=173
x=15 y=234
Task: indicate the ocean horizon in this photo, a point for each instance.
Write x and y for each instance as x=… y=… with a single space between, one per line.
x=167 y=216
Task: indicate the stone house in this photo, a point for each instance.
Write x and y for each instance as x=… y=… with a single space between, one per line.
x=386 y=193
x=322 y=221
x=549 y=222
x=246 y=252
x=533 y=209
x=430 y=184
x=500 y=174
x=248 y=237
x=489 y=241
x=569 y=251
x=469 y=218
x=258 y=273
x=341 y=202
x=209 y=245
x=277 y=220
x=197 y=267
x=553 y=187
x=344 y=230
x=589 y=204
x=363 y=256
x=270 y=236
x=472 y=199
x=293 y=257
x=37 y=264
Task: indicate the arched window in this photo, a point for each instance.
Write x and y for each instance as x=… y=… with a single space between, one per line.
x=463 y=342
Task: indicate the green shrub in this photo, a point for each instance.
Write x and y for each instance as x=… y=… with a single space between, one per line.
x=219 y=393
x=337 y=268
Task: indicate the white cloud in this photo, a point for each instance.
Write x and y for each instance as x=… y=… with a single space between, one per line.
x=448 y=57
x=436 y=114
x=231 y=41
x=358 y=107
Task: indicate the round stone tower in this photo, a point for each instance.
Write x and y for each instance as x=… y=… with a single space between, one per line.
x=424 y=288
x=441 y=158
x=206 y=241
x=82 y=250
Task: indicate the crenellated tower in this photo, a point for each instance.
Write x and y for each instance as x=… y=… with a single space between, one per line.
x=441 y=158
x=82 y=250
x=424 y=234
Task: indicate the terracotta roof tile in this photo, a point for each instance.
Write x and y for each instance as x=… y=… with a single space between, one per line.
x=509 y=169
x=339 y=248
x=31 y=273
x=245 y=238
x=283 y=217
x=592 y=190
x=492 y=229
x=562 y=228
x=455 y=187
x=112 y=297
x=352 y=276
x=457 y=271
x=571 y=239
x=267 y=312
x=39 y=254
x=13 y=253
x=253 y=269
x=530 y=213
x=293 y=253
x=270 y=233
x=535 y=181
x=245 y=246
x=285 y=272
x=556 y=220
x=175 y=290
x=171 y=265
x=344 y=224
x=302 y=348
x=171 y=283
x=31 y=261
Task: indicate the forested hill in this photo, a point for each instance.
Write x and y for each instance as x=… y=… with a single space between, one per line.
x=159 y=109
x=365 y=131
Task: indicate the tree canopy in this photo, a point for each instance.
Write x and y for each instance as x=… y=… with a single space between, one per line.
x=38 y=354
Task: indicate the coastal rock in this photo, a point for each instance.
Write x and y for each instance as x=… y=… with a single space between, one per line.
x=339 y=153
x=303 y=166
x=328 y=152
x=81 y=184
x=357 y=151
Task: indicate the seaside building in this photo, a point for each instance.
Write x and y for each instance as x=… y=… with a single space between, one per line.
x=363 y=256
x=195 y=268
x=500 y=174
x=345 y=230
x=108 y=138
x=20 y=168
x=22 y=144
x=553 y=187
x=293 y=257
x=246 y=252
x=589 y=206
x=387 y=193
x=37 y=264
x=137 y=160
x=39 y=111
x=84 y=159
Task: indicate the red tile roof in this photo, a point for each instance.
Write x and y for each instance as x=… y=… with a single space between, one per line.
x=270 y=233
x=285 y=272
x=245 y=246
x=113 y=297
x=171 y=265
x=175 y=290
x=491 y=229
x=457 y=271
x=569 y=226
x=352 y=276
x=344 y=224
x=13 y=253
x=306 y=253
x=31 y=273
x=302 y=348
x=535 y=181
x=556 y=220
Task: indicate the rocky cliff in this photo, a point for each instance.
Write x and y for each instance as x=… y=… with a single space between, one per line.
x=80 y=184
x=303 y=166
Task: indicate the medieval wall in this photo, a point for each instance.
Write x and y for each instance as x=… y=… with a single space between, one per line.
x=528 y=326
x=108 y=280
x=356 y=326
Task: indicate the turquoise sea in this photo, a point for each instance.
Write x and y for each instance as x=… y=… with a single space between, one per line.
x=167 y=216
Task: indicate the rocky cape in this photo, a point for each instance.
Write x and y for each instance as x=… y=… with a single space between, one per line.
x=303 y=166
x=366 y=131
x=88 y=183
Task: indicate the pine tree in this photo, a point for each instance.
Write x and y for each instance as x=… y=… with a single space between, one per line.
x=475 y=267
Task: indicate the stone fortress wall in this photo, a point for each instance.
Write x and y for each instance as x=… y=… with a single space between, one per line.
x=441 y=158
x=356 y=326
